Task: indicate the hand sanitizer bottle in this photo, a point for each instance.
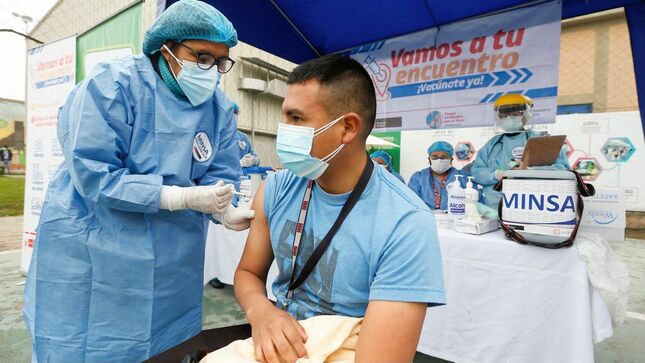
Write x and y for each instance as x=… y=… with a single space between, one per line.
x=471 y=196
x=456 y=199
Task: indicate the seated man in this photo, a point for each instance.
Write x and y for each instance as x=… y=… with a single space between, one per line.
x=383 y=263
x=384 y=159
x=430 y=183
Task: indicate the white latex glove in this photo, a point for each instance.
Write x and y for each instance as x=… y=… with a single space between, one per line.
x=249 y=160
x=209 y=199
x=499 y=174
x=237 y=219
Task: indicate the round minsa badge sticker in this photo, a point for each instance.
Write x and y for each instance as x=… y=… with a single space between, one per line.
x=202 y=148
x=518 y=152
x=241 y=144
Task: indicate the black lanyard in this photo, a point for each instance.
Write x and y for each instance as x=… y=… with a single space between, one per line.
x=295 y=282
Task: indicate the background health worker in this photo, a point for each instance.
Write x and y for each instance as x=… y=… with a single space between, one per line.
x=430 y=183
x=248 y=157
x=504 y=151
x=384 y=159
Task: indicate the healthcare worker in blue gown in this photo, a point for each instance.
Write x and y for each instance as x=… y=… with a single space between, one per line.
x=150 y=154
x=431 y=183
x=384 y=159
x=504 y=151
x=248 y=157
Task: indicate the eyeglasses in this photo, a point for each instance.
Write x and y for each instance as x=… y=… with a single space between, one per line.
x=440 y=158
x=206 y=61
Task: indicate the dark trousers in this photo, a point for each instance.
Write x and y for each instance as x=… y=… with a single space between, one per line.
x=208 y=340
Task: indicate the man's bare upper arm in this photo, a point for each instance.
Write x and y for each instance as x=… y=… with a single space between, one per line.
x=258 y=254
x=395 y=322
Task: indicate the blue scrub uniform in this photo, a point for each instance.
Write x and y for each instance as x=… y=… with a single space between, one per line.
x=420 y=183
x=502 y=152
x=244 y=144
x=112 y=277
x=387 y=158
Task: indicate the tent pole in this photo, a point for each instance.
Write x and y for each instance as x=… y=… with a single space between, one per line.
x=295 y=28
x=635 y=15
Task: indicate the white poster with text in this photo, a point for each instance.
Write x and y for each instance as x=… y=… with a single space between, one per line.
x=51 y=76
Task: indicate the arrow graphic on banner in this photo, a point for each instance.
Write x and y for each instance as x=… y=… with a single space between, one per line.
x=532 y=93
x=54 y=81
x=514 y=76
x=517 y=74
x=529 y=74
x=501 y=78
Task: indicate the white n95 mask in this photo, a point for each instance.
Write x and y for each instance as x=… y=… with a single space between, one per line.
x=198 y=84
x=293 y=145
x=440 y=166
x=511 y=123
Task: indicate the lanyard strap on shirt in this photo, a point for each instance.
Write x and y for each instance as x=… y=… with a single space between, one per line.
x=295 y=282
x=437 y=195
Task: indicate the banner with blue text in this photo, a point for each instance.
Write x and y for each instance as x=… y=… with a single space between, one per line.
x=449 y=77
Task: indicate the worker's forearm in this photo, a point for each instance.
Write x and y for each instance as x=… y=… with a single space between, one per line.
x=251 y=293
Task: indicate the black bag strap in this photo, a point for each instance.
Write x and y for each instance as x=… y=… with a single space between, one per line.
x=584 y=190
x=513 y=235
x=324 y=244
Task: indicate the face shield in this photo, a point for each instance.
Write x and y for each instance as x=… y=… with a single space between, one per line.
x=513 y=118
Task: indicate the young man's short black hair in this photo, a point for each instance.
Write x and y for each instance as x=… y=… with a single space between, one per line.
x=349 y=86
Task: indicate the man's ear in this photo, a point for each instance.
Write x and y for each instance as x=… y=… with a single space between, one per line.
x=353 y=127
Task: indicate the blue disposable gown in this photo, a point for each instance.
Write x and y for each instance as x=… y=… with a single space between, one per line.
x=112 y=277
x=502 y=152
x=420 y=183
x=398 y=176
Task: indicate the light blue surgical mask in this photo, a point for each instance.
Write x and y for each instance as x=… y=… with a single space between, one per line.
x=198 y=84
x=294 y=145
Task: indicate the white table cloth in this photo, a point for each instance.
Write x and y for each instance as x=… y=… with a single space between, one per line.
x=513 y=303
x=506 y=302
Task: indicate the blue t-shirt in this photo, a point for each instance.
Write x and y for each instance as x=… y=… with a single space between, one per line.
x=386 y=249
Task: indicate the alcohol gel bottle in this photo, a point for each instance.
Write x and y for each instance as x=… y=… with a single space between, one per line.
x=456 y=199
x=471 y=197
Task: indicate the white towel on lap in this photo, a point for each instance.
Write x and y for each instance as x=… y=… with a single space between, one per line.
x=331 y=339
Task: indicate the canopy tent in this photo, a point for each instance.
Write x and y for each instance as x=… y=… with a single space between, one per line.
x=300 y=30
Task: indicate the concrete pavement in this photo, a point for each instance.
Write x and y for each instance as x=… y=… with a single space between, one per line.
x=10 y=233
